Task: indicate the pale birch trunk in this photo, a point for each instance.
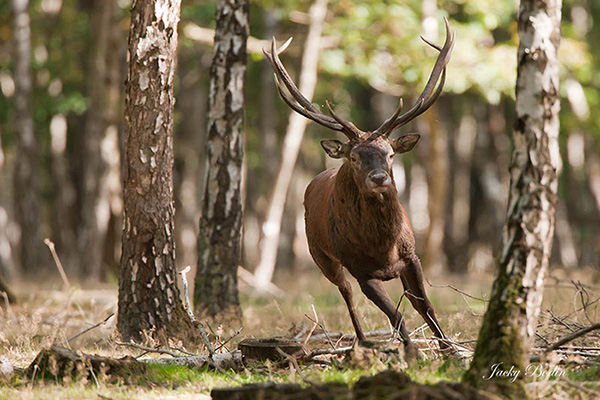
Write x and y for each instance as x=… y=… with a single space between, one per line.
x=271 y=227
x=510 y=321
x=216 y=292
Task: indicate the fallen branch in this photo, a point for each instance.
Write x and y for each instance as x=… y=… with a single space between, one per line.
x=572 y=336
x=186 y=294
x=457 y=290
x=327 y=352
x=90 y=328
x=219 y=361
x=147 y=349
x=188 y=309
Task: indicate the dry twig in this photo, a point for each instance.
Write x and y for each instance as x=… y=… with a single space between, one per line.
x=457 y=290
x=316 y=321
x=572 y=336
x=228 y=339
x=59 y=266
x=90 y=328
x=188 y=308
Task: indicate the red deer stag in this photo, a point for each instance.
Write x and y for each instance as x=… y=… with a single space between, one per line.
x=353 y=216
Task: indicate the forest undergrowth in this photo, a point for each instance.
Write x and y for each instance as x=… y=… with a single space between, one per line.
x=312 y=312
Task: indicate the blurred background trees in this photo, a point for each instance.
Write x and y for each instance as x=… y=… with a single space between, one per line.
x=454 y=186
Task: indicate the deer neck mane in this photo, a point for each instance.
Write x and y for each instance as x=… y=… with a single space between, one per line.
x=377 y=218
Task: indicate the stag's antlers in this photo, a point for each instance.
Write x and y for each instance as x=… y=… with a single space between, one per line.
x=425 y=99
x=302 y=106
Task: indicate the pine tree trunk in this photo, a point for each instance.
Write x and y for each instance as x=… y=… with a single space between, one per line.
x=216 y=292
x=510 y=321
x=26 y=181
x=148 y=294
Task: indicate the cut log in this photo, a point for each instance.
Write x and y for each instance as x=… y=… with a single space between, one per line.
x=266 y=348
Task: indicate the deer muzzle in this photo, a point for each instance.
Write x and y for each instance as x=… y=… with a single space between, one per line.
x=378 y=181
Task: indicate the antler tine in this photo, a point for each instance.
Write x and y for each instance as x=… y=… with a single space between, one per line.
x=290 y=85
x=350 y=130
x=428 y=96
x=388 y=122
x=301 y=104
x=303 y=111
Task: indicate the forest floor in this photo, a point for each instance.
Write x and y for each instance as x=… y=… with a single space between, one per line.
x=49 y=315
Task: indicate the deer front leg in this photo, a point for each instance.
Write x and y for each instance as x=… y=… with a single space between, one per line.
x=412 y=279
x=346 y=291
x=374 y=290
x=334 y=271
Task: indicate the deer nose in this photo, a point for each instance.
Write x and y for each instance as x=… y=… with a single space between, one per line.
x=379 y=178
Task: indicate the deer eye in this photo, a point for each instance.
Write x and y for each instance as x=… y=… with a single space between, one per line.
x=354 y=157
x=391 y=156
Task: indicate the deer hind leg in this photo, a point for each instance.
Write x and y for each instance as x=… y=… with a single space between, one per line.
x=412 y=279
x=374 y=290
x=334 y=271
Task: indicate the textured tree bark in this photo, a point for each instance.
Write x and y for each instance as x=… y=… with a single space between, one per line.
x=148 y=294
x=271 y=227
x=510 y=321
x=216 y=292
x=93 y=219
x=26 y=181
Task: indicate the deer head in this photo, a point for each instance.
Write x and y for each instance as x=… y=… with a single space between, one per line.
x=369 y=153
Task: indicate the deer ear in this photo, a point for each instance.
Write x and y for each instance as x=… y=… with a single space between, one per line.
x=334 y=148
x=405 y=143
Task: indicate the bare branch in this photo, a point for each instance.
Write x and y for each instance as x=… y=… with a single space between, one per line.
x=90 y=328
x=572 y=336
x=59 y=266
